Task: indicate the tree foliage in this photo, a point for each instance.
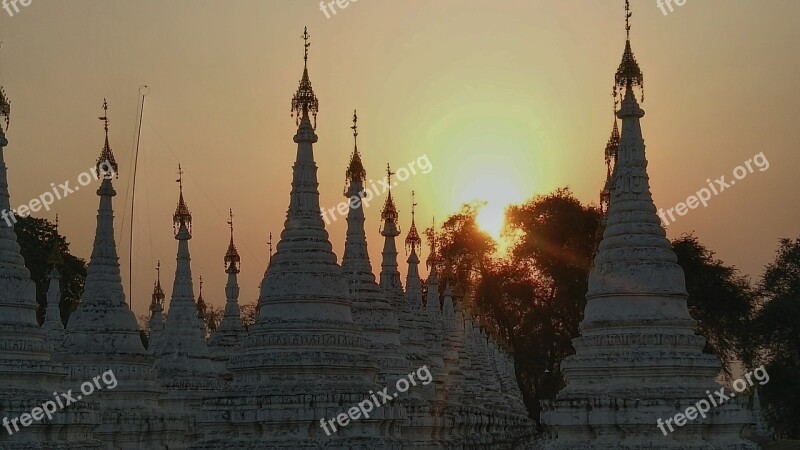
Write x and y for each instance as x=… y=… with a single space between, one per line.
x=37 y=238
x=720 y=299
x=776 y=329
x=533 y=296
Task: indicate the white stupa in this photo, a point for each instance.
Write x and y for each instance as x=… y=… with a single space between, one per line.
x=638 y=358
x=156 y=321
x=305 y=359
x=27 y=370
x=183 y=362
x=227 y=339
x=102 y=334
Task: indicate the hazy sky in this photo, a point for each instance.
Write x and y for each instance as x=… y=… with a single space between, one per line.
x=507 y=99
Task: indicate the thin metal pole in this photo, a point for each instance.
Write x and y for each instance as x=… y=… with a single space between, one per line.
x=143 y=91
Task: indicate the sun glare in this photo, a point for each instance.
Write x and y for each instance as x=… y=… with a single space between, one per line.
x=497 y=192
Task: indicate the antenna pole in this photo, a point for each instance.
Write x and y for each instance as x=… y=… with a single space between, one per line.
x=143 y=91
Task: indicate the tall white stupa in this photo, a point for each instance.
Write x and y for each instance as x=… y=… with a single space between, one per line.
x=305 y=358
x=638 y=358
x=227 y=339
x=28 y=372
x=102 y=335
x=183 y=361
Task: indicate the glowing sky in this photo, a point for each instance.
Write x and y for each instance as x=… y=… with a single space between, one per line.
x=507 y=99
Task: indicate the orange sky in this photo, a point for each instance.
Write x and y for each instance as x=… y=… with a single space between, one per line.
x=506 y=99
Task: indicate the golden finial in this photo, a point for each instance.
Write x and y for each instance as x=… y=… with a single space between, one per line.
x=389 y=209
x=628 y=15
x=270 y=249
x=628 y=73
x=355 y=126
x=413 y=204
x=304 y=101
x=232 y=259
x=355 y=170
x=180 y=178
x=158 y=292
x=306 y=44
x=413 y=241
x=106 y=163
x=182 y=216
x=104 y=118
x=389 y=174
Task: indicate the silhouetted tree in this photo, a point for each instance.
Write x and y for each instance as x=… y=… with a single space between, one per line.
x=776 y=328
x=533 y=297
x=720 y=299
x=36 y=238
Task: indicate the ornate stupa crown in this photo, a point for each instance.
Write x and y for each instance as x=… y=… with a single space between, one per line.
x=182 y=217
x=355 y=170
x=304 y=100
x=413 y=241
x=389 y=209
x=106 y=164
x=158 y=291
x=232 y=259
x=628 y=73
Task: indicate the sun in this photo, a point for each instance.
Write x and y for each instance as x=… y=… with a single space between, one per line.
x=494 y=193
x=491 y=218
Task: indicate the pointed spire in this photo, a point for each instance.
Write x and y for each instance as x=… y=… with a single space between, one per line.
x=106 y=164
x=413 y=241
x=228 y=334
x=389 y=212
x=5 y=113
x=611 y=155
x=304 y=100
x=269 y=263
x=355 y=170
x=158 y=291
x=356 y=265
x=182 y=219
x=390 y=276
x=232 y=259
x=628 y=74
x=413 y=245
